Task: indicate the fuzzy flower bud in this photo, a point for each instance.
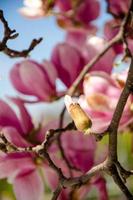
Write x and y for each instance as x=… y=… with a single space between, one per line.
x=80 y=118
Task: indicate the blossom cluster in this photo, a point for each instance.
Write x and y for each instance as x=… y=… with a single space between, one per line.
x=98 y=94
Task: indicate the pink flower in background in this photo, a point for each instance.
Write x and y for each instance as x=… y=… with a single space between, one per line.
x=68 y=62
x=78 y=38
x=90 y=46
x=101 y=94
x=118 y=8
x=76 y=146
x=94 y=45
x=34 y=79
x=76 y=14
x=81 y=14
x=79 y=18
x=9 y=120
x=64 y=5
x=111 y=28
x=21 y=169
x=80 y=151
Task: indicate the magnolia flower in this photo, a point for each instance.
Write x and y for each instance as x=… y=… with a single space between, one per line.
x=32 y=8
x=21 y=169
x=101 y=94
x=89 y=47
x=81 y=14
x=34 y=79
x=118 y=8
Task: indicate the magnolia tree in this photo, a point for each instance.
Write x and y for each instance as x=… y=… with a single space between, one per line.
x=67 y=156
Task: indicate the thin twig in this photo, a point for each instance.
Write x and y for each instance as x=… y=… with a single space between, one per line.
x=69 y=165
x=57 y=192
x=11 y=34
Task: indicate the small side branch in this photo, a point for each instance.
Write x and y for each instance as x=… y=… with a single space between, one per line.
x=10 y=35
x=56 y=193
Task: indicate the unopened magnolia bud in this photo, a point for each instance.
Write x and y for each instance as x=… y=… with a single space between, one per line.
x=80 y=118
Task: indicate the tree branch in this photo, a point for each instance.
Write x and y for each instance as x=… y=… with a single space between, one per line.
x=11 y=34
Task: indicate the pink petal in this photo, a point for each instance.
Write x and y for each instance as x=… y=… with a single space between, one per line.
x=15 y=77
x=52 y=180
x=25 y=118
x=119 y=8
x=82 y=13
x=28 y=185
x=51 y=177
x=111 y=28
x=93 y=46
x=8 y=117
x=77 y=148
x=67 y=58
x=30 y=78
x=100 y=183
x=78 y=37
x=106 y=85
x=64 y=5
x=36 y=80
x=13 y=163
x=14 y=137
x=51 y=72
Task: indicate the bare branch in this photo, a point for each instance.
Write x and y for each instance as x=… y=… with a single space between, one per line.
x=56 y=193
x=11 y=34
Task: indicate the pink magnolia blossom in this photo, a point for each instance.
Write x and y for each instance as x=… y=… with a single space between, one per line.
x=81 y=14
x=90 y=46
x=68 y=62
x=118 y=8
x=94 y=45
x=111 y=28
x=80 y=151
x=101 y=94
x=64 y=5
x=34 y=79
x=21 y=169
